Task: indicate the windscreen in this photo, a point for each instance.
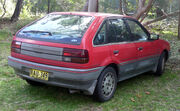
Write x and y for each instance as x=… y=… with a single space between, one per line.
x=66 y=29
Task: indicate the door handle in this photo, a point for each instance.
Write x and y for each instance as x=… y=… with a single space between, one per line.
x=140 y=48
x=116 y=51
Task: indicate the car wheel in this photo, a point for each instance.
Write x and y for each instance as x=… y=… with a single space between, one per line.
x=161 y=65
x=106 y=85
x=34 y=83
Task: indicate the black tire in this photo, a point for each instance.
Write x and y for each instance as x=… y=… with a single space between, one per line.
x=34 y=83
x=106 y=85
x=161 y=65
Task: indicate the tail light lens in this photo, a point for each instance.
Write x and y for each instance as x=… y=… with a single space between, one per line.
x=75 y=55
x=16 y=46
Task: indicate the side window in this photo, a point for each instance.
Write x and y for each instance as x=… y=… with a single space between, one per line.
x=138 y=34
x=121 y=32
x=101 y=35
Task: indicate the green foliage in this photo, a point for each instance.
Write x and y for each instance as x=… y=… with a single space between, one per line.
x=167 y=5
x=40 y=6
x=4 y=34
x=21 y=23
x=8 y=29
x=112 y=6
x=109 y=6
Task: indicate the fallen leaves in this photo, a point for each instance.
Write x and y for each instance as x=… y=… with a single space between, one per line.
x=132 y=99
x=148 y=93
x=138 y=95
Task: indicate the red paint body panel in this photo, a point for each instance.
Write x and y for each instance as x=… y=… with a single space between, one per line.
x=149 y=49
x=127 y=52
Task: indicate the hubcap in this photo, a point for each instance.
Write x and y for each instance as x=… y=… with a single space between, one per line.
x=108 y=84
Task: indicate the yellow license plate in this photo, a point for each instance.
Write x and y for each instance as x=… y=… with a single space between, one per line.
x=39 y=74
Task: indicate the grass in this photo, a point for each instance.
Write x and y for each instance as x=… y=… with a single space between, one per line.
x=4 y=34
x=145 y=92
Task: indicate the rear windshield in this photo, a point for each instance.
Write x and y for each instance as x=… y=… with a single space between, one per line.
x=66 y=29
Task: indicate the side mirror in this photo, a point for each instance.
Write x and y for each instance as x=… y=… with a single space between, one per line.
x=154 y=37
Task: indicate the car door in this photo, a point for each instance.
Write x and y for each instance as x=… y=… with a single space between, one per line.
x=123 y=52
x=146 y=49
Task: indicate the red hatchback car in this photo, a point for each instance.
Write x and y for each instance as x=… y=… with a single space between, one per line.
x=89 y=52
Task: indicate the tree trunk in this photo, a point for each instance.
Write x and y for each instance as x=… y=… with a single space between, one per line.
x=161 y=18
x=93 y=6
x=123 y=7
x=17 y=10
x=97 y=6
x=142 y=8
x=4 y=8
x=179 y=23
x=179 y=27
x=144 y=16
x=85 y=8
x=48 y=11
x=120 y=6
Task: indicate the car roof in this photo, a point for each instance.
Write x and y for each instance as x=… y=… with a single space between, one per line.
x=94 y=14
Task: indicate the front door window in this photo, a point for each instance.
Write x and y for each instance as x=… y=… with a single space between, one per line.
x=138 y=34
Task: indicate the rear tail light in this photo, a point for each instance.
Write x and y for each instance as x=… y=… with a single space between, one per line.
x=16 y=46
x=75 y=55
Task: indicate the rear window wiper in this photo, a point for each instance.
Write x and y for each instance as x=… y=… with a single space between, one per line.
x=34 y=31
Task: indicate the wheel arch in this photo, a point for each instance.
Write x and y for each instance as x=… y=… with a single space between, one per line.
x=115 y=66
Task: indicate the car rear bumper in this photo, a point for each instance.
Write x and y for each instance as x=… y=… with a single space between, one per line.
x=80 y=79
